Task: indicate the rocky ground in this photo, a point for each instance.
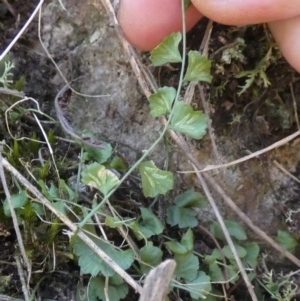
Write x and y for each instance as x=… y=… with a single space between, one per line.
x=82 y=42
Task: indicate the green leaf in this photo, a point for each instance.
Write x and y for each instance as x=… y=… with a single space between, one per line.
x=240 y=251
x=285 y=239
x=116 y=290
x=183 y=217
x=198 y=68
x=187 y=266
x=235 y=230
x=190 y=198
x=154 y=180
x=65 y=188
x=81 y=293
x=233 y=274
x=151 y=256
x=273 y=287
x=17 y=201
x=91 y=263
x=100 y=155
x=185 y=246
x=167 y=51
x=187 y=121
x=258 y=72
x=97 y=176
x=118 y=163
x=211 y=259
x=181 y=213
x=176 y=247
x=188 y=240
x=161 y=101
x=216 y=273
x=38 y=208
x=251 y=258
x=200 y=286
x=112 y=222
x=53 y=192
x=19 y=84
x=59 y=206
x=147 y=226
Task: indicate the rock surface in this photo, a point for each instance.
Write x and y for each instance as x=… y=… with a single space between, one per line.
x=84 y=42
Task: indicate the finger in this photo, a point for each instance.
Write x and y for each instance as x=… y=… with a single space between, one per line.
x=146 y=23
x=242 y=12
x=286 y=34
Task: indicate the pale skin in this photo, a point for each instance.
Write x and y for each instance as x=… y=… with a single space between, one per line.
x=146 y=22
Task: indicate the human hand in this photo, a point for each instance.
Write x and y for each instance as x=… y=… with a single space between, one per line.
x=146 y=22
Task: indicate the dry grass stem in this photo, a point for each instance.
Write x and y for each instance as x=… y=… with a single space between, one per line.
x=14 y=41
x=295 y=107
x=16 y=225
x=7 y=298
x=227 y=235
x=279 y=166
x=246 y=158
x=210 y=128
x=22 y=278
x=12 y=92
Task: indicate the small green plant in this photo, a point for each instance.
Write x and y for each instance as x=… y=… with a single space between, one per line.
x=282 y=288
x=258 y=73
x=5 y=68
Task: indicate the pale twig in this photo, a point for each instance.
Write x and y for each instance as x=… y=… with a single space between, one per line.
x=21 y=276
x=127 y=48
x=221 y=252
x=67 y=127
x=279 y=166
x=13 y=42
x=205 y=41
x=246 y=158
x=226 y=234
x=97 y=217
x=190 y=91
x=62 y=5
x=210 y=129
x=224 y=292
x=248 y=222
x=106 y=289
x=7 y=123
x=38 y=195
x=14 y=218
x=12 y=92
x=295 y=107
x=125 y=234
x=48 y=144
x=10 y=8
x=7 y=298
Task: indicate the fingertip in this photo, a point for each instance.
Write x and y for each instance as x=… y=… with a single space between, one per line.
x=237 y=12
x=286 y=33
x=146 y=23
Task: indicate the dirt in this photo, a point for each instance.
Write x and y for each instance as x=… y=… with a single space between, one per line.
x=82 y=41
